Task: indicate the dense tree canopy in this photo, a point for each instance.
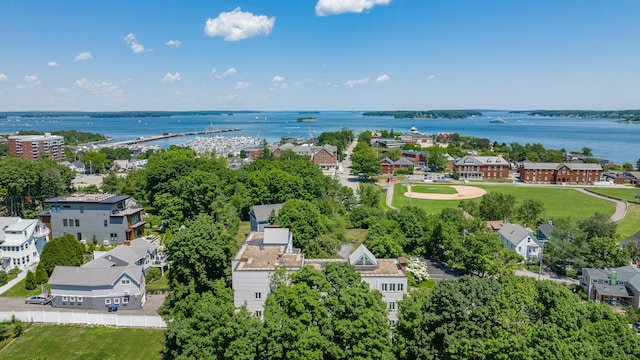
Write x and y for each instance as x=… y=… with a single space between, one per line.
x=61 y=251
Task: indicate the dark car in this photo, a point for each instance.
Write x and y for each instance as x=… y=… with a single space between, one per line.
x=636 y=325
x=38 y=299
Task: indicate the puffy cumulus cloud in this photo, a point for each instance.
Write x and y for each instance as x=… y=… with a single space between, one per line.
x=277 y=82
x=136 y=47
x=169 y=77
x=278 y=78
x=32 y=79
x=98 y=89
x=238 y=25
x=173 y=43
x=335 y=7
x=52 y=64
x=4 y=78
x=83 y=56
x=352 y=83
x=383 y=78
x=230 y=71
x=241 y=85
x=430 y=77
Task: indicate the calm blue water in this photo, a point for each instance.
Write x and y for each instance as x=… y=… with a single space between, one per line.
x=608 y=139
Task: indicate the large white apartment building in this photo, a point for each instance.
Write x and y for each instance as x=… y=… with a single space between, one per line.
x=21 y=242
x=263 y=252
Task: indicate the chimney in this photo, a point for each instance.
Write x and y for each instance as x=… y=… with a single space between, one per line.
x=127 y=242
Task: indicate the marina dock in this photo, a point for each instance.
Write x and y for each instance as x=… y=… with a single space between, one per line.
x=167 y=136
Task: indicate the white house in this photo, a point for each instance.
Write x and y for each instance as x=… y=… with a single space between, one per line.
x=521 y=240
x=21 y=242
x=263 y=252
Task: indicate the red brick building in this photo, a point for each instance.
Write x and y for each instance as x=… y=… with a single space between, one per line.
x=36 y=147
x=554 y=173
x=325 y=156
x=481 y=167
x=389 y=167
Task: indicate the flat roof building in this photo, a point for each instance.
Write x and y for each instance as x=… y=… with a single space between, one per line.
x=36 y=147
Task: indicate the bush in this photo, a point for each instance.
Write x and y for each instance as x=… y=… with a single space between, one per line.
x=572 y=273
x=4 y=279
x=153 y=274
x=30 y=281
x=15 y=271
x=41 y=274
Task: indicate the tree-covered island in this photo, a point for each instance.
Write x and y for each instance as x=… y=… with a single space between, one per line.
x=428 y=114
x=625 y=116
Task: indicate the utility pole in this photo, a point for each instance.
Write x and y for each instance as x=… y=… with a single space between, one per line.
x=540 y=268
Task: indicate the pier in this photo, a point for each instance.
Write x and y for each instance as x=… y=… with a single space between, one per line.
x=167 y=136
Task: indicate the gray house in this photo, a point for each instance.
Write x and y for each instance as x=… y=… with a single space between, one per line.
x=615 y=286
x=110 y=218
x=521 y=240
x=259 y=215
x=98 y=287
x=545 y=231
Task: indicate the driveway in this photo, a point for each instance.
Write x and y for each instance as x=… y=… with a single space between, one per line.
x=17 y=304
x=439 y=270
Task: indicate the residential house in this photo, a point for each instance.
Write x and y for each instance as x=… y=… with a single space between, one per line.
x=259 y=215
x=110 y=218
x=555 y=173
x=622 y=177
x=521 y=240
x=21 y=242
x=481 y=167
x=495 y=225
x=545 y=231
x=616 y=286
x=325 y=156
x=389 y=167
x=263 y=252
x=98 y=287
x=36 y=147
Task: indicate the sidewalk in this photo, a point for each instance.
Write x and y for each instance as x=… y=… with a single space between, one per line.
x=11 y=283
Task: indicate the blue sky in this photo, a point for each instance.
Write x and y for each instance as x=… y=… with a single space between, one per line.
x=319 y=55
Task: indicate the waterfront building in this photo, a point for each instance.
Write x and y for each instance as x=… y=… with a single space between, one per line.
x=21 y=242
x=264 y=252
x=36 y=147
x=108 y=217
x=556 y=173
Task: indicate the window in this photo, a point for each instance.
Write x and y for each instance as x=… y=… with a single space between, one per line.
x=383 y=287
x=400 y=287
x=259 y=313
x=258 y=295
x=77 y=222
x=64 y=299
x=70 y=222
x=72 y=298
x=64 y=222
x=125 y=281
x=392 y=287
x=79 y=299
x=125 y=300
x=79 y=236
x=105 y=223
x=392 y=305
x=107 y=301
x=116 y=300
x=81 y=209
x=114 y=236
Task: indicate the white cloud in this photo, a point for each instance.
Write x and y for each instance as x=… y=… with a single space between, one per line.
x=237 y=25
x=278 y=78
x=32 y=79
x=352 y=83
x=228 y=72
x=98 y=89
x=335 y=7
x=52 y=64
x=83 y=56
x=62 y=90
x=4 y=78
x=169 y=77
x=136 y=47
x=431 y=77
x=174 y=43
x=383 y=78
x=241 y=85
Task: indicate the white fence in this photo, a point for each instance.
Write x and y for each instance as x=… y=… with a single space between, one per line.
x=109 y=319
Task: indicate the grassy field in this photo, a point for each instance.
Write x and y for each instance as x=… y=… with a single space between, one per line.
x=430 y=189
x=620 y=193
x=631 y=223
x=558 y=201
x=79 y=342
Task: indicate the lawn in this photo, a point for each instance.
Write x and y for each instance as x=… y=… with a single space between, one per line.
x=243 y=230
x=558 y=201
x=19 y=291
x=85 y=342
x=430 y=189
x=631 y=223
x=619 y=193
x=160 y=284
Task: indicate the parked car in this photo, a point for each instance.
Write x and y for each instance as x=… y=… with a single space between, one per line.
x=38 y=299
x=636 y=325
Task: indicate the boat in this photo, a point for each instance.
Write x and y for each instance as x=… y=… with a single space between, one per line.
x=498 y=120
x=306 y=119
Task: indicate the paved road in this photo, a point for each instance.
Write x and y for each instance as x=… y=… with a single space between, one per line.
x=547 y=276
x=344 y=175
x=621 y=206
x=17 y=304
x=439 y=270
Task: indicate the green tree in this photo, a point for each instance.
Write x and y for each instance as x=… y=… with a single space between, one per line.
x=41 y=274
x=62 y=251
x=369 y=195
x=587 y=151
x=599 y=225
x=201 y=253
x=497 y=206
x=310 y=228
x=30 y=281
x=530 y=212
x=627 y=166
x=604 y=252
x=97 y=162
x=638 y=165
x=364 y=161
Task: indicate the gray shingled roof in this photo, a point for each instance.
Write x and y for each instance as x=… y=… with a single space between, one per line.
x=481 y=160
x=5 y=222
x=262 y=212
x=90 y=276
x=514 y=233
